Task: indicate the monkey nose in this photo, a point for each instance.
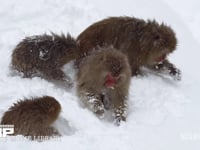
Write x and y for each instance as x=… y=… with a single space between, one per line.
x=110 y=81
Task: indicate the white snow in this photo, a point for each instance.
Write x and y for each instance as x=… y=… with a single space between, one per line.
x=162 y=114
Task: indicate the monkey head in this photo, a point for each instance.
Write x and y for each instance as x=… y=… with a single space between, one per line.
x=157 y=41
x=116 y=65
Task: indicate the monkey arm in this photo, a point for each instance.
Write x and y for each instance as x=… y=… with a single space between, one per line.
x=93 y=101
x=167 y=67
x=118 y=97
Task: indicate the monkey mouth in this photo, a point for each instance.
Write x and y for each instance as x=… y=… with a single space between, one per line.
x=110 y=84
x=161 y=58
x=111 y=81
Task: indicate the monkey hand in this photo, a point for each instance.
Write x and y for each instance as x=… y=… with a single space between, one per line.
x=175 y=73
x=118 y=120
x=100 y=113
x=98 y=109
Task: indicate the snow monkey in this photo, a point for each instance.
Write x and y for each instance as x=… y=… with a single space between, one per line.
x=44 y=55
x=146 y=43
x=103 y=82
x=33 y=117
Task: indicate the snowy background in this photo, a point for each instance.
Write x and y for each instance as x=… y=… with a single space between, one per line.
x=163 y=115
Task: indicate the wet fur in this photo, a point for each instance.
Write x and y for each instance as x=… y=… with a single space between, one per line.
x=142 y=41
x=33 y=117
x=91 y=82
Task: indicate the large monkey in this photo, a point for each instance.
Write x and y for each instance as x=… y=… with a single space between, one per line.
x=146 y=43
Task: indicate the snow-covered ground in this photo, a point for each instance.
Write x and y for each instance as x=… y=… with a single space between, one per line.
x=162 y=114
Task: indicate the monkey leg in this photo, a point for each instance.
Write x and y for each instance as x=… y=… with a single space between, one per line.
x=119 y=105
x=167 y=68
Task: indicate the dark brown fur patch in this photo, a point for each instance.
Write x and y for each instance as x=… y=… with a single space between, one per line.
x=44 y=54
x=33 y=117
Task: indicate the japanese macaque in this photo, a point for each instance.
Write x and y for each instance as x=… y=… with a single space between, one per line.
x=103 y=82
x=45 y=55
x=33 y=118
x=146 y=43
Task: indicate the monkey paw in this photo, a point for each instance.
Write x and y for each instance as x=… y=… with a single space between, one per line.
x=98 y=109
x=175 y=73
x=118 y=120
x=100 y=113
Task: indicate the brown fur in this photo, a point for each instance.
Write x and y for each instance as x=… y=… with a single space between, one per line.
x=92 y=82
x=33 y=117
x=142 y=41
x=44 y=54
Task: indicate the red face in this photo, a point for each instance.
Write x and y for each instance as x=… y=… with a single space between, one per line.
x=111 y=80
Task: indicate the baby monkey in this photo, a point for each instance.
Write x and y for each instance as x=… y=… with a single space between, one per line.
x=103 y=82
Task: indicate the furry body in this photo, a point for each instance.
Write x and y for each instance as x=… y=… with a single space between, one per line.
x=103 y=82
x=33 y=117
x=44 y=55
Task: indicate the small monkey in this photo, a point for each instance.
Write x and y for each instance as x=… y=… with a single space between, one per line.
x=103 y=82
x=44 y=55
x=33 y=117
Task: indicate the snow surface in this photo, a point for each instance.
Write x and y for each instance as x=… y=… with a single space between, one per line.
x=162 y=114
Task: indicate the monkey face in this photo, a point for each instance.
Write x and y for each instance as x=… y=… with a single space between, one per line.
x=110 y=80
x=164 y=39
x=158 y=42
x=114 y=69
